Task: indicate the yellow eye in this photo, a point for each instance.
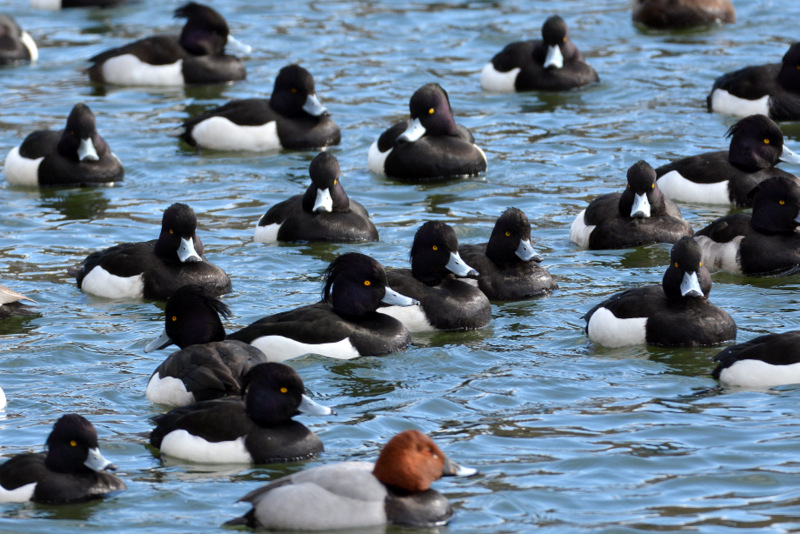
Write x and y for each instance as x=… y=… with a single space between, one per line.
x=797 y=67
x=652 y=186
x=766 y=141
x=171 y=231
x=294 y=90
x=284 y=390
x=73 y=443
x=431 y=111
x=335 y=182
x=676 y=264
x=435 y=247
x=781 y=202
x=564 y=39
x=367 y=283
x=174 y=318
x=701 y=264
x=508 y=234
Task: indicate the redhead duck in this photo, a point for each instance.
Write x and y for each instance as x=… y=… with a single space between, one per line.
x=551 y=64
x=508 y=266
x=344 y=324
x=293 y=118
x=72 y=469
x=676 y=313
x=764 y=361
x=75 y=156
x=208 y=366
x=11 y=303
x=428 y=147
x=638 y=216
x=254 y=428
x=323 y=213
x=667 y=14
x=351 y=495
x=728 y=176
x=154 y=269
x=16 y=45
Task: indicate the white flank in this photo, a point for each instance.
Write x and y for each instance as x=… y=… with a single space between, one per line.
x=412 y=317
x=579 y=232
x=376 y=159
x=607 y=330
x=499 y=82
x=21 y=494
x=267 y=233
x=29 y=43
x=104 y=284
x=2 y=399
x=219 y=133
x=279 y=348
x=127 y=69
x=51 y=5
x=168 y=390
x=757 y=373
x=677 y=188
x=181 y=444
x=723 y=256
x=724 y=102
x=22 y=171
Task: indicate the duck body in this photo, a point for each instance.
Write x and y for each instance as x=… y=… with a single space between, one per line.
x=16 y=45
x=292 y=118
x=764 y=361
x=154 y=269
x=323 y=213
x=72 y=469
x=76 y=156
x=675 y=314
x=352 y=495
x=430 y=146
x=676 y=14
x=727 y=177
x=197 y=56
x=553 y=63
x=772 y=90
x=638 y=216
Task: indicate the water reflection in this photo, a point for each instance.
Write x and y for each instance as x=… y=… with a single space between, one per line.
x=75 y=204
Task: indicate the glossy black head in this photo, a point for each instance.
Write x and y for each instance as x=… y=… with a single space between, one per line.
x=789 y=75
x=81 y=128
x=355 y=284
x=510 y=241
x=554 y=31
x=192 y=316
x=272 y=392
x=435 y=246
x=178 y=229
x=776 y=205
x=69 y=443
x=430 y=104
x=641 y=193
x=756 y=143
x=205 y=31
x=293 y=87
x=686 y=277
x=325 y=192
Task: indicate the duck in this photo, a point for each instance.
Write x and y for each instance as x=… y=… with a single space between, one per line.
x=16 y=45
x=676 y=313
x=551 y=64
x=255 y=428
x=764 y=243
x=445 y=301
x=197 y=56
x=728 y=176
x=430 y=146
x=76 y=156
x=677 y=14
x=72 y=470
x=640 y=215
x=343 y=325
x=353 y=495
x=54 y=5
x=293 y=118
x=765 y=361
x=772 y=90
x=11 y=303
x=509 y=267
x=3 y=399
x=323 y=213
x=154 y=269
x=207 y=366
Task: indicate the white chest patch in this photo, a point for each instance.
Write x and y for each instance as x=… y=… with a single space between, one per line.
x=279 y=348
x=168 y=390
x=104 y=284
x=756 y=373
x=21 y=494
x=724 y=102
x=413 y=317
x=377 y=159
x=607 y=330
x=267 y=233
x=579 y=232
x=722 y=256
x=499 y=82
x=21 y=171
x=677 y=188
x=181 y=444
x=219 y=133
x=127 y=69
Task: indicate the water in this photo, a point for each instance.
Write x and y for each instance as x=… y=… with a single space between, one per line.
x=568 y=437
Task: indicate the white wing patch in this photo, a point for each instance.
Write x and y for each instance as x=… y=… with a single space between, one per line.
x=724 y=102
x=676 y=187
x=104 y=284
x=181 y=444
x=609 y=331
x=279 y=348
x=579 y=232
x=219 y=133
x=127 y=69
x=499 y=82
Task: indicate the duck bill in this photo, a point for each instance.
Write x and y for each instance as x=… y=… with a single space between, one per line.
x=187 y=253
x=393 y=298
x=641 y=206
x=236 y=46
x=452 y=469
x=788 y=156
x=323 y=202
x=413 y=133
x=96 y=461
x=690 y=286
x=86 y=150
x=554 y=58
x=159 y=343
x=458 y=267
x=314 y=107
x=310 y=407
x=525 y=251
